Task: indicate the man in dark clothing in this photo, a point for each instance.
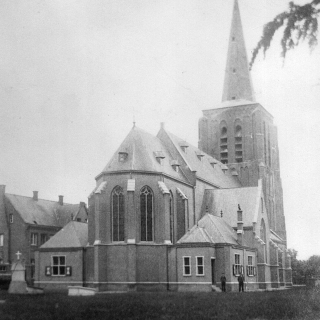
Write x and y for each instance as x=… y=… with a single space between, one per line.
x=223 y=282
x=241 y=281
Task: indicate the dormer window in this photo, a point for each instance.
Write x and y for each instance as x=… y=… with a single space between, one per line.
x=175 y=165
x=159 y=155
x=233 y=38
x=213 y=162
x=123 y=156
x=224 y=168
x=200 y=155
x=234 y=70
x=184 y=146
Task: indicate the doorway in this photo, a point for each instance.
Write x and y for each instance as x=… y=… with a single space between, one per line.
x=213 y=270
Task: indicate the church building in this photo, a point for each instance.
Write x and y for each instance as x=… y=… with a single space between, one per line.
x=166 y=215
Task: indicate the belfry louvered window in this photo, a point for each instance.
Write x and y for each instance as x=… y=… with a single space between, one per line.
x=238 y=143
x=146 y=211
x=224 y=145
x=117 y=214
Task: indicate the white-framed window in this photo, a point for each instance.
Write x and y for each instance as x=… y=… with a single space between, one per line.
x=186 y=266
x=11 y=218
x=251 y=270
x=237 y=267
x=200 y=266
x=58 y=265
x=34 y=239
x=1 y=240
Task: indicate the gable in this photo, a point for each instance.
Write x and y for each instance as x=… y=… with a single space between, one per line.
x=73 y=235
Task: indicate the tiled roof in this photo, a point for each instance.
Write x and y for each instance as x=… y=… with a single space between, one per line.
x=210 y=229
x=227 y=201
x=203 y=166
x=43 y=212
x=142 y=148
x=73 y=235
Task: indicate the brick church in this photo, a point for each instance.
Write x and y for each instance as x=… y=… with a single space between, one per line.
x=166 y=215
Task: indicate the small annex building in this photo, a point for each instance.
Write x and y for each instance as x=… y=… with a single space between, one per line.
x=68 y=245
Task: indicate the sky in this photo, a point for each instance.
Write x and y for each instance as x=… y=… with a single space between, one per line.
x=75 y=74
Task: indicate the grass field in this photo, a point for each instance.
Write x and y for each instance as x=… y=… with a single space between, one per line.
x=286 y=304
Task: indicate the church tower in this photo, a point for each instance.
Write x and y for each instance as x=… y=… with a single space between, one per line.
x=240 y=132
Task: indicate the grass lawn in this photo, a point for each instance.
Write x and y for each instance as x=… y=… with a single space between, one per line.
x=286 y=304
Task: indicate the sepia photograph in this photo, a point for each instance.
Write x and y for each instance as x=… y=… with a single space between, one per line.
x=160 y=159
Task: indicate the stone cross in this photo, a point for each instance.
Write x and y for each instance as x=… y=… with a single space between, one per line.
x=18 y=255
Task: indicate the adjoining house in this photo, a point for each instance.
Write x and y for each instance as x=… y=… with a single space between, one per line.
x=28 y=222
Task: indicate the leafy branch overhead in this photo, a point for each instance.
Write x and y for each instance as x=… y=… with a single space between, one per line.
x=300 y=23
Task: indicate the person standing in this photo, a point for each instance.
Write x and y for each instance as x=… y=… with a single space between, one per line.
x=223 y=282
x=241 y=282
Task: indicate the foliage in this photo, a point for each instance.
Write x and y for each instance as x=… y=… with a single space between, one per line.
x=300 y=23
x=302 y=269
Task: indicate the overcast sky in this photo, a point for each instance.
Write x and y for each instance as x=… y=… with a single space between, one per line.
x=75 y=73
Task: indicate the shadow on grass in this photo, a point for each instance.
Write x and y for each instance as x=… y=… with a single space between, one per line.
x=288 y=304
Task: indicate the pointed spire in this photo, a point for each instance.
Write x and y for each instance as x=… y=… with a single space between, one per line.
x=237 y=81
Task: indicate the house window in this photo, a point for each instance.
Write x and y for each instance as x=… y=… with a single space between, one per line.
x=117 y=214
x=34 y=239
x=11 y=218
x=58 y=265
x=43 y=238
x=187 y=266
x=250 y=268
x=1 y=240
x=200 y=266
x=237 y=267
x=146 y=210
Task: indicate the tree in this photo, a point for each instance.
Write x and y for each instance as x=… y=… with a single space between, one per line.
x=300 y=23
x=298 y=268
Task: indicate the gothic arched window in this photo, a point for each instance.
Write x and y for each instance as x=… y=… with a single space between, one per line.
x=263 y=236
x=117 y=214
x=146 y=211
x=171 y=218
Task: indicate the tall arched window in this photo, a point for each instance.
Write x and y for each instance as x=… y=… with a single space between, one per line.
x=171 y=218
x=146 y=210
x=117 y=214
x=263 y=236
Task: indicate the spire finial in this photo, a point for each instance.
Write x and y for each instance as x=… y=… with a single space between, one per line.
x=237 y=81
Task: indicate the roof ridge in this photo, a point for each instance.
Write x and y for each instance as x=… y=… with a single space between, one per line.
x=64 y=203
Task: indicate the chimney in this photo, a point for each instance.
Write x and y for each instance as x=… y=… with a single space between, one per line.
x=240 y=227
x=82 y=204
x=61 y=200
x=162 y=125
x=35 y=195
